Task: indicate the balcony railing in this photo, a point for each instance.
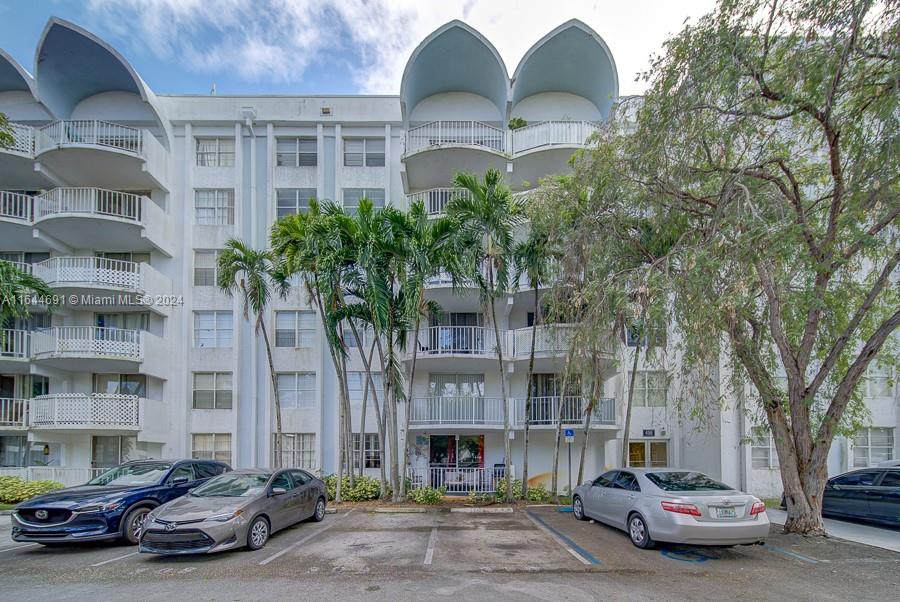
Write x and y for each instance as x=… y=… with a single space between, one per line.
x=23 y=140
x=103 y=410
x=88 y=341
x=457 y=480
x=14 y=205
x=551 y=133
x=13 y=412
x=452 y=340
x=546 y=410
x=550 y=338
x=455 y=133
x=92 y=201
x=456 y=410
x=90 y=132
x=15 y=343
x=437 y=199
x=92 y=271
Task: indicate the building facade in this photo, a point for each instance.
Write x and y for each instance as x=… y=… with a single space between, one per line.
x=121 y=199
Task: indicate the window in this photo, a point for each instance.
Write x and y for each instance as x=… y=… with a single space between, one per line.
x=865 y=478
x=110 y=451
x=212 y=390
x=357 y=381
x=627 y=481
x=292 y=201
x=364 y=151
x=296 y=152
x=352 y=197
x=648 y=454
x=185 y=471
x=762 y=448
x=891 y=478
x=371 y=453
x=298 y=450
x=297 y=390
x=215 y=152
x=650 y=389
x=295 y=329
x=655 y=335
x=206 y=266
x=300 y=477
x=873 y=445
x=204 y=470
x=605 y=480
x=212 y=329
x=121 y=384
x=456 y=385
x=877 y=381
x=211 y=446
x=283 y=481
x=214 y=207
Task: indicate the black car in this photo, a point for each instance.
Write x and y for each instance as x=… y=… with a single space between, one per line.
x=111 y=506
x=870 y=494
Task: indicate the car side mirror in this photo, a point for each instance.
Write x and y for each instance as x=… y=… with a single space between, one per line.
x=178 y=481
x=278 y=490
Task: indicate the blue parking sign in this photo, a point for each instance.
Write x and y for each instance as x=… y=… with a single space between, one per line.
x=570 y=432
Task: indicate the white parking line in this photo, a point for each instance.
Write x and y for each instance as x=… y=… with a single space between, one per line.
x=114 y=559
x=429 y=551
x=25 y=545
x=297 y=543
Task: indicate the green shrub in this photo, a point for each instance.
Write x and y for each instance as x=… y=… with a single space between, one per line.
x=427 y=495
x=500 y=492
x=538 y=493
x=364 y=489
x=15 y=489
x=516 y=123
x=480 y=498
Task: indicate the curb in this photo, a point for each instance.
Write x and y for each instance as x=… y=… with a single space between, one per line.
x=503 y=510
x=399 y=510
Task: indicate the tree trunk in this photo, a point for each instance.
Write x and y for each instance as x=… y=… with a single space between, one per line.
x=565 y=384
x=278 y=434
x=392 y=426
x=367 y=364
x=365 y=401
x=348 y=416
x=409 y=393
x=630 y=398
x=529 y=394
x=588 y=414
x=507 y=455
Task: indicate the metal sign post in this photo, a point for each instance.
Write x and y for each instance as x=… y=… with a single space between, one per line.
x=570 y=438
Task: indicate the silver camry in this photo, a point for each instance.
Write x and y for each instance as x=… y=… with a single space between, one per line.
x=671 y=505
x=232 y=510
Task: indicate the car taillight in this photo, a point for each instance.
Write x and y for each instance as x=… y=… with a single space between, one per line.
x=681 y=508
x=757 y=508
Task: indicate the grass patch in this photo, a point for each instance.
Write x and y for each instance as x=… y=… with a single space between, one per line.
x=7 y=506
x=772 y=502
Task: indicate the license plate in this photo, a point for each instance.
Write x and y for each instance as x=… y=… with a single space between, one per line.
x=725 y=513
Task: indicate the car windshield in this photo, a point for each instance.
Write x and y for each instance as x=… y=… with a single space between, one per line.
x=144 y=473
x=233 y=485
x=685 y=481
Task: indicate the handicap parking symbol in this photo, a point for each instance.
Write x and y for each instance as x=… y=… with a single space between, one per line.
x=686 y=555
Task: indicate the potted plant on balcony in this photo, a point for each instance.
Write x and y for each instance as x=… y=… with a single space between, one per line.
x=517 y=122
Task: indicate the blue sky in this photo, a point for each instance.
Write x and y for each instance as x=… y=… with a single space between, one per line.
x=326 y=47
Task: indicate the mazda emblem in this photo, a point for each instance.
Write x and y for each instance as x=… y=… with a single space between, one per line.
x=41 y=514
x=170 y=527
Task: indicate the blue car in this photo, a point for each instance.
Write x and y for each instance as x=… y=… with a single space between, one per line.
x=111 y=506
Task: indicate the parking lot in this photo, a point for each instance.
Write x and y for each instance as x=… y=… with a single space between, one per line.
x=538 y=553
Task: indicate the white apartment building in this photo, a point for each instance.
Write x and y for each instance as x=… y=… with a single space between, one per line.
x=113 y=194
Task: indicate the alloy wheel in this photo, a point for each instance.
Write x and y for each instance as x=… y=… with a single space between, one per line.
x=637 y=530
x=137 y=523
x=578 y=509
x=320 y=509
x=259 y=533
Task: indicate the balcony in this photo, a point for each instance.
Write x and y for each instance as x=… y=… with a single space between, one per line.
x=545 y=411
x=456 y=411
x=436 y=199
x=13 y=413
x=129 y=222
x=15 y=348
x=545 y=148
x=100 y=349
x=16 y=229
x=435 y=151
x=91 y=152
x=17 y=161
x=96 y=411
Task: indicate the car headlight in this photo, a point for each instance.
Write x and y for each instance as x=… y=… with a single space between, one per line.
x=225 y=517
x=102 y=507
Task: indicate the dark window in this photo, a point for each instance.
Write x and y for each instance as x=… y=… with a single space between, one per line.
x=300 y=477
x=205 y=471
x=685 y=481
x=185 y=470
x=861 y=479
x=891 y=479
x=530 y=318
x=606 y=479
x=626 y=480
x=283 y=480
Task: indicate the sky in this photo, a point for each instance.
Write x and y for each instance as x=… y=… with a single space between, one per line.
x=328 y=47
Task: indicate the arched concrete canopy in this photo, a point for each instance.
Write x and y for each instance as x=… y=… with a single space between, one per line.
x=454 y=58
x=72 y=64
x=572 y=58
x=13 y=76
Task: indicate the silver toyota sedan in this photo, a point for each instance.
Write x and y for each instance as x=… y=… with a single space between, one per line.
x=671 y=505
x=232 y=510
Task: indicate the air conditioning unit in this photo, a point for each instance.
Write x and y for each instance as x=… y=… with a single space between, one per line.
x=325 y=111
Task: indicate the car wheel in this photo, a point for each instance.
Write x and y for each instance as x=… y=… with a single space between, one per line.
x=637 y=530
x=578 y=508
x=258 y=534
x=319 y=514
x=133 y=523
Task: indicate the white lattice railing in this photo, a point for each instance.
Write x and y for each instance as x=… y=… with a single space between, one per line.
x=14 y=343
x=549 y=133
x=476 y=340
x=81 y=410
x=69 y=477
x=14 y=205
x=88 y=341
x=23 y=140
x=94 y=271
x=458 y=410
x=436 y=199
x=89 y=132
x=546 y=410
x=95 y=201
x=13 y=412
x=465 y=133
x=457 y=480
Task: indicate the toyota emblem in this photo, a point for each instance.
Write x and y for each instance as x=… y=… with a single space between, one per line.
x=41 y=514
x=170 y=527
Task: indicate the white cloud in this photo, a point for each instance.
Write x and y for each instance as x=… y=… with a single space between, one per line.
x=277 y=40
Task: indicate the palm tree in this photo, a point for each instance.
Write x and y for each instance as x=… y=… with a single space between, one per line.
x=487 y=217
x=252 y=273
x=6 y=136
x=533 y=256
x=16 y=287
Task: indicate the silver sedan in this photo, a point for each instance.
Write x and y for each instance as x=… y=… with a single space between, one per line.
x=232 y=510
x=670 y=505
